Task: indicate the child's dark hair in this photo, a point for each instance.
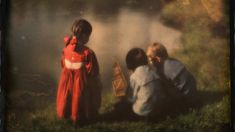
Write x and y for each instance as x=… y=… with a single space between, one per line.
x=81 y=26
x=136 y=57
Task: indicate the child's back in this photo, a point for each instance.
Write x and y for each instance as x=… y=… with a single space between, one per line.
x=76 y=97
x=145 y=85
x=176 y=75
x=176 y=78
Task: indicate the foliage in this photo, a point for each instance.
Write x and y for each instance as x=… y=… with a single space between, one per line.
x=205 y=43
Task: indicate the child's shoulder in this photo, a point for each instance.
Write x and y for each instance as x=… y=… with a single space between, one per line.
x=70 y=40
x=143 y=75
x=67 y=39
x=89 y=50
x=173 y=62
x=172 y=67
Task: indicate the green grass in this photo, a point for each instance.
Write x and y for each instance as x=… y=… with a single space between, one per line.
x=212 y=117
x=205 y=43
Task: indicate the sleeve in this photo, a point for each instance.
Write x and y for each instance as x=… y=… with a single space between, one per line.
x=94 y=82
x=185 y=82
x=62 y=60
x=92 y=65
x=172 y=68
x=67 y=40
x=131 y=97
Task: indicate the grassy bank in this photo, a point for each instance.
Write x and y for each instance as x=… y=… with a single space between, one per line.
x=211 y=117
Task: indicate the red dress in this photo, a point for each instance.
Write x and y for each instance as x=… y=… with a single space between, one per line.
x=77 y=96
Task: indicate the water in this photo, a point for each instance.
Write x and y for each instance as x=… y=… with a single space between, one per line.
x=37 y=28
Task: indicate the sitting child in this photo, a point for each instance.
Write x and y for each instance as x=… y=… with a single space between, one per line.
x=145 y=86
x=177 y=80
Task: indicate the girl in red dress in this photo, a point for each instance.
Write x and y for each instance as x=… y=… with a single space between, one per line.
x=79 y=90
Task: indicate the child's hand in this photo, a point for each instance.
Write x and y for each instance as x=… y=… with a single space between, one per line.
x=158 y=59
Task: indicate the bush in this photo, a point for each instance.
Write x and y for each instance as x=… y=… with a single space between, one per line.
x=203 y=51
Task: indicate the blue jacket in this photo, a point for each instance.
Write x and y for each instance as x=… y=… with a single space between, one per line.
x=174 y=73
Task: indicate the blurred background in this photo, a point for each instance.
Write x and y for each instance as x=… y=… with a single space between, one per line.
x=37 y=30
x=195 y=32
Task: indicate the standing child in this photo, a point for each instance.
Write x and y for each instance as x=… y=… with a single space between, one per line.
x=78 y=95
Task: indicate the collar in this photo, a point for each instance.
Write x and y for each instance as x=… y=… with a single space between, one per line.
x=143 y=75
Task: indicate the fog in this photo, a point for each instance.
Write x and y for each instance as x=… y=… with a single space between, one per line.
x=35 y=40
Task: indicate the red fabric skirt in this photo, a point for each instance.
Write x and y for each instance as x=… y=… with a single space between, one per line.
x=70 y=94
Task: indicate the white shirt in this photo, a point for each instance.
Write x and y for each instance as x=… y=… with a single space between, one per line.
x=144 y=90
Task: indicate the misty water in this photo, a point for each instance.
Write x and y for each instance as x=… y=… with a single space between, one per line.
x=36 y=31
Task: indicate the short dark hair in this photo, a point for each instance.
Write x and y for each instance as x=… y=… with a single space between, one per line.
x=81 y=26
x=136 y=57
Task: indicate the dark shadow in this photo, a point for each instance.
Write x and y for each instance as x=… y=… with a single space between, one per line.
x=178 y=106
x=168 y=108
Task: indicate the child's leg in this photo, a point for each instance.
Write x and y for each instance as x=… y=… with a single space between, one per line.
x=78 y=113
x=123 y=111
x=68 y=106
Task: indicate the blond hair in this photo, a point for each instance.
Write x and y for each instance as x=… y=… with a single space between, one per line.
x=157 y=49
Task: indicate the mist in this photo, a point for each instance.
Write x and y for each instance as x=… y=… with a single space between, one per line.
x=35 y=41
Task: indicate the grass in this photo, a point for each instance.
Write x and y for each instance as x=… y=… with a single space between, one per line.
x=211 y=117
